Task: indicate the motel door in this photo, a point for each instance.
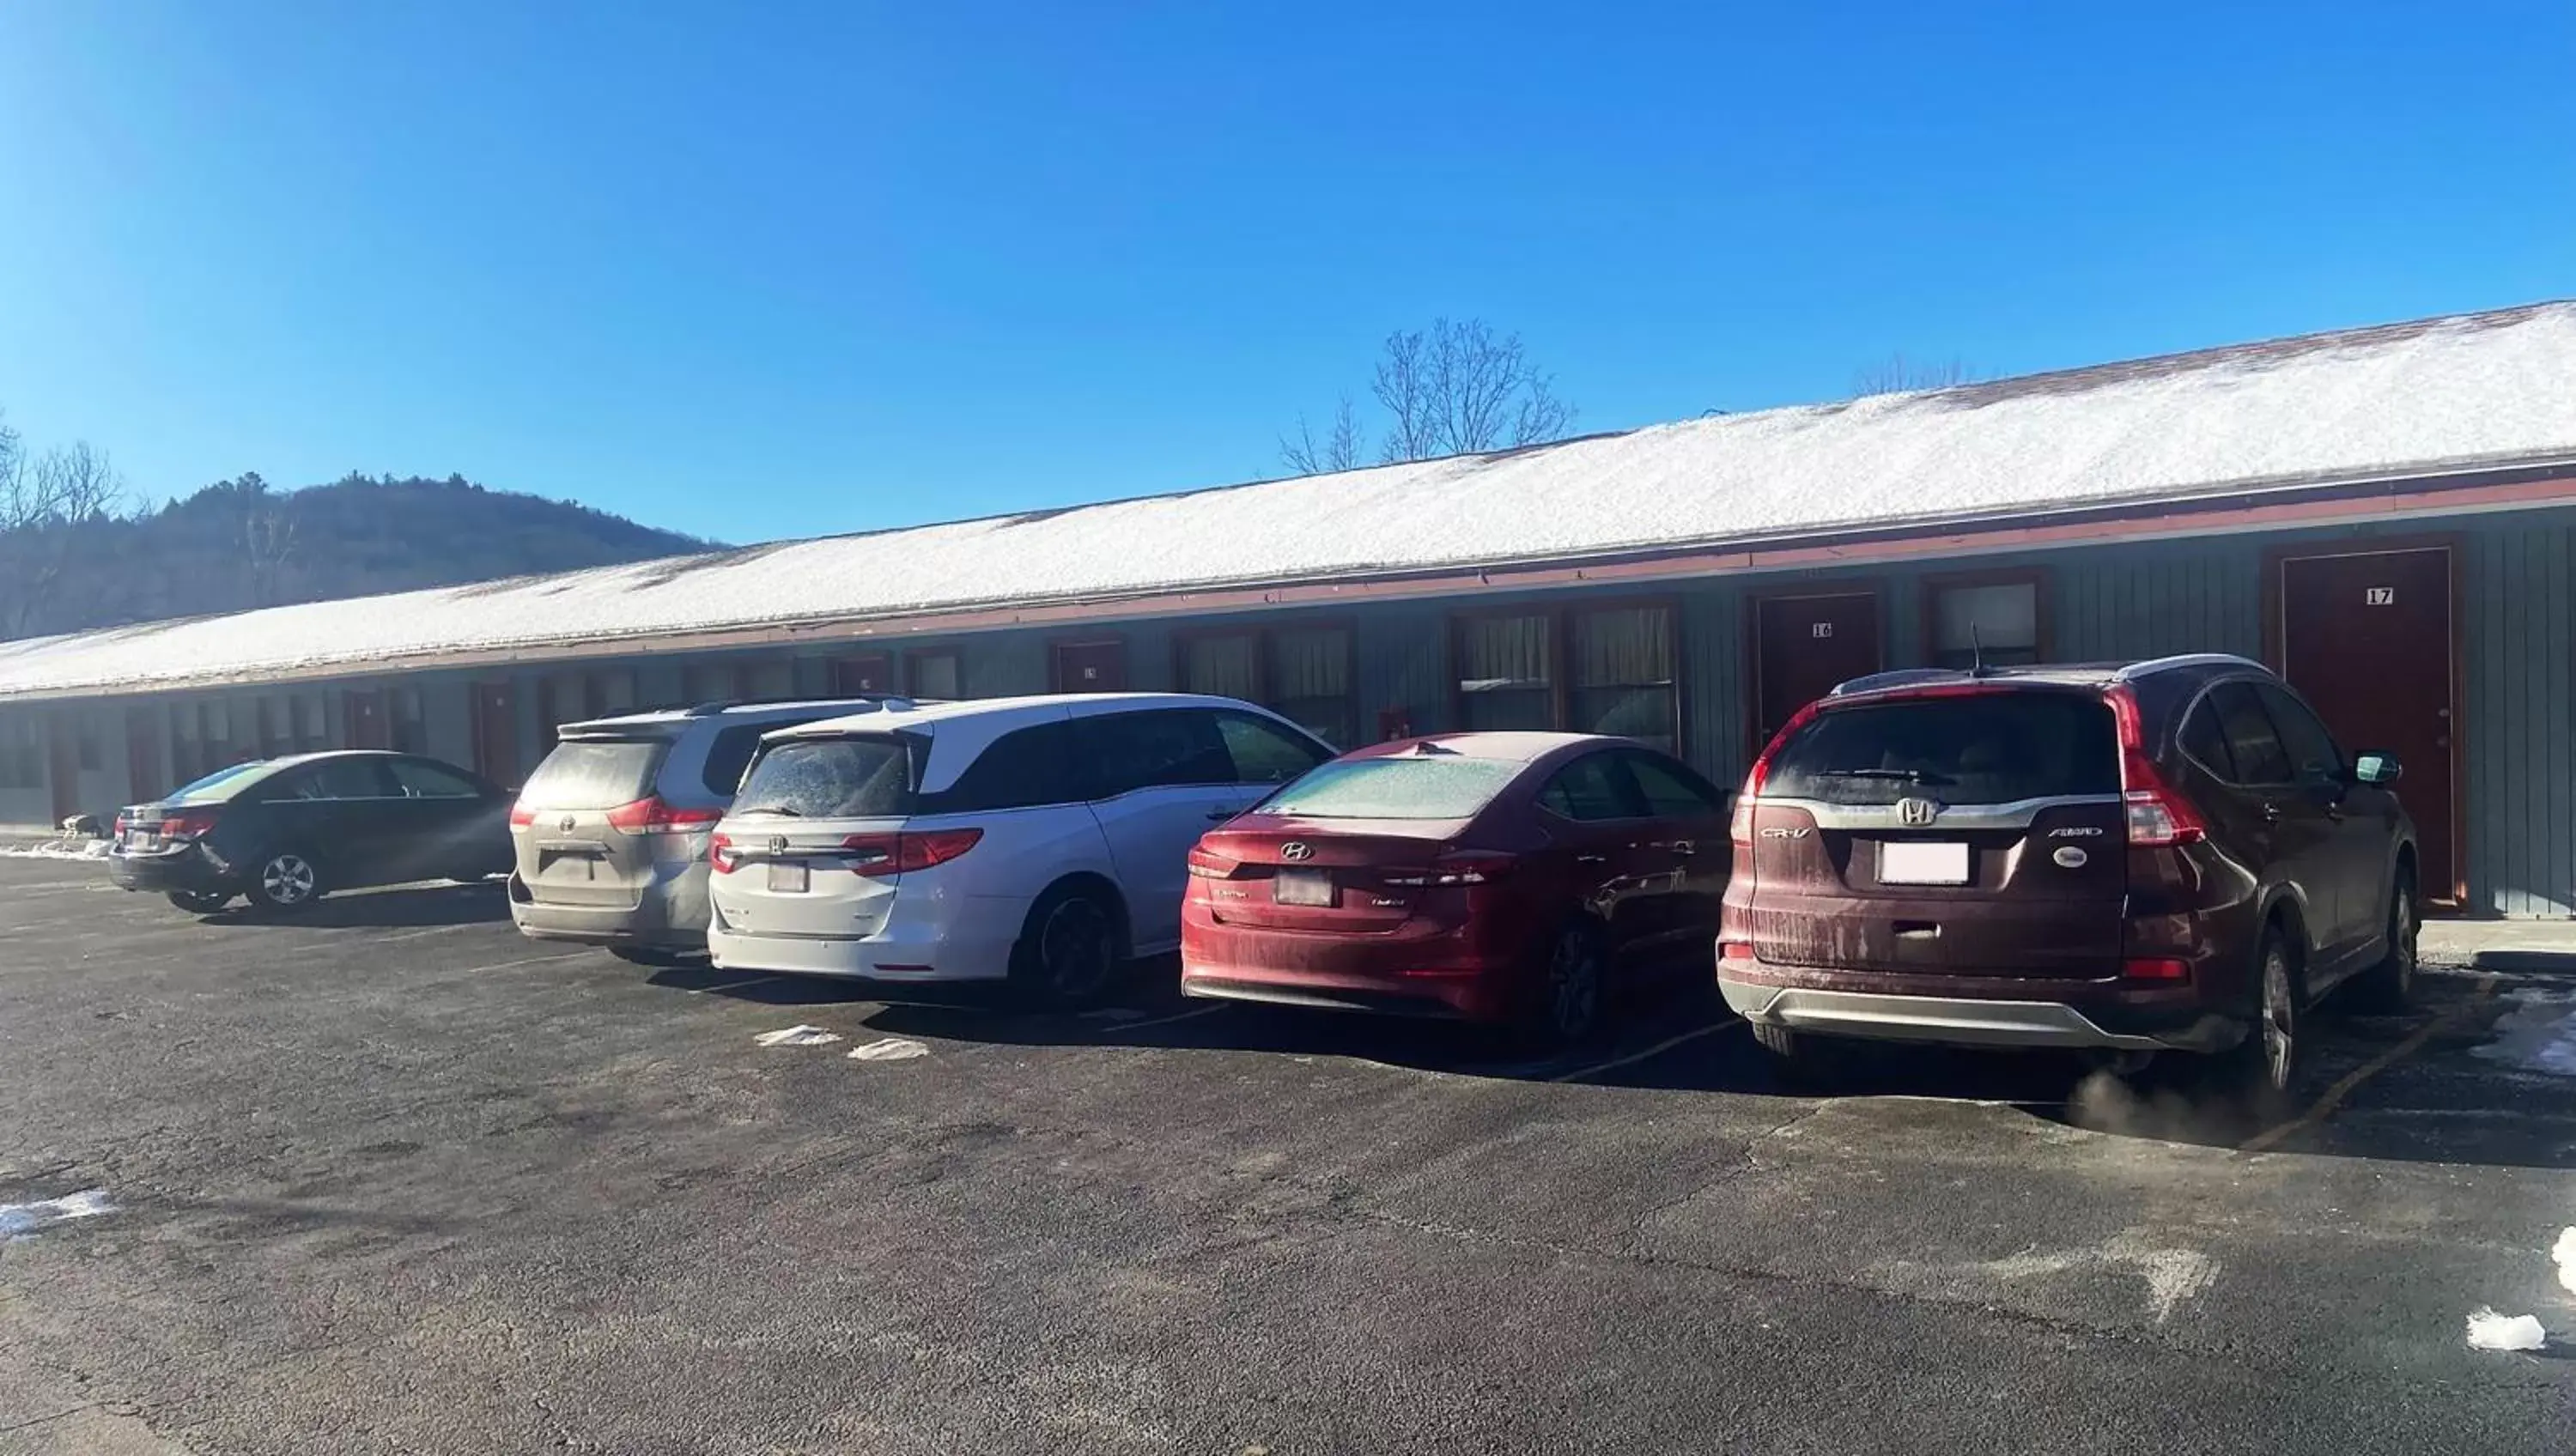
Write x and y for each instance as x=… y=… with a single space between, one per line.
x=1091 y=667
x=1802 y=647
x=365 y=709
x=2366 y=638
x=871 y=672
x=496 y=733
x=145 y=778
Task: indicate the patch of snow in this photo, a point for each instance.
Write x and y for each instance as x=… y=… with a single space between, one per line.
x=2563 y=1254
x=2171 y=1275
x=2537 y=1035
x=799 y=1035
x=891 y=1049
x=2489 y=1330
x=2404 y=400
x=78 y=849
x=20 y=1219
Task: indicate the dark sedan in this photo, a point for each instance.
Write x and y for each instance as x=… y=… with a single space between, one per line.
x=285 y=831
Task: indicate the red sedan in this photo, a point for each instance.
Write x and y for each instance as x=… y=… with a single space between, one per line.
x=1492 y=877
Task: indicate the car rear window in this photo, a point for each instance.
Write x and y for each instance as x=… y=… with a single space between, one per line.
x=595 y=773
x=830 y=778
x=219 y=786
x=1395 y=788
x=1994 y=748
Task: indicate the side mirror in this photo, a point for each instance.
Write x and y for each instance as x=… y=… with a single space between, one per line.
x=2377 y=769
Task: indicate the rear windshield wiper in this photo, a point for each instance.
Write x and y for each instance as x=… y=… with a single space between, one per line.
x=781 y=810
x=1901 y=775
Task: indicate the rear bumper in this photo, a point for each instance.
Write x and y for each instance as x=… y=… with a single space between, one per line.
x=913 y=944
x=1443 y=998
x=2143 y=1024
x=671 y=914
x=1436 y=972
x=179 y=869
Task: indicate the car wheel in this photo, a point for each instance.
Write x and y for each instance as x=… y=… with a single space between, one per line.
x=1797 y=1057
x=285 y=882
x=1569 y=1005
x=2389 y=985
x=2267 y=1061
x=200 y=902
x=1069 y=953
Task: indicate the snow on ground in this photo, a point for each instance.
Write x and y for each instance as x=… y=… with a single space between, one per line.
x=2537 y=1035
x=17 y=1220
x=57 y=849
x=2408 y=399
x=2489 y=1330
x=799 y=1035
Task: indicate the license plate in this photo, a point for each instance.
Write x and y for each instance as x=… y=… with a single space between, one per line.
x=1922 y=864
x=790 y=879
x=1302 y=887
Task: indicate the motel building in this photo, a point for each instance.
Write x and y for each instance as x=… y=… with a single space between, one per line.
x=2387 y=516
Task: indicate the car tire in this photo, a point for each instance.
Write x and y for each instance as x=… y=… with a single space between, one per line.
x=1070 y=951
x=2266 y=1063
x=1796 y=1056
x=2390 y=985
x=1570 y=1003
x=285 y=882
x=200 y=902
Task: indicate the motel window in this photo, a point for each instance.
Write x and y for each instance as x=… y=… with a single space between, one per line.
x=410 y=727
x=276 y=726
x=1996 y=618
x=1301 y=673
x=312 y=723
x=1624 y=677
x=187 y=758
x=711 y=682
x=21 y=758
x=612 y=692
x=936 y=675
x=771 y=679
x=1621 y=674
x=87 y=729
x=1507 y=672
x=561 y=698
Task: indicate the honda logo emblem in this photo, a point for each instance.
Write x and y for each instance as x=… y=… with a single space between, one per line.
x=1296 y=852
x=778 y=844
x=1916 y=813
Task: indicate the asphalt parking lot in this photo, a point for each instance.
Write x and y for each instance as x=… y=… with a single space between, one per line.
x=390 y=1178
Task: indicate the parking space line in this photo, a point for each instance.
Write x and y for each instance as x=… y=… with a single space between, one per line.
x=1632 y=1058
x=2333 y=1096
x=417 y=934
x=572 y=955
x=1127 y=1026
x=735 y=985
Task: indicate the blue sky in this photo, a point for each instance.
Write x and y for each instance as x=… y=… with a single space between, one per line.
x=793 y=269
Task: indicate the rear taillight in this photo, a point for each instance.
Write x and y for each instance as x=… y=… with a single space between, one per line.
x=652 y=815
x=2155 y=968
x=1740 y=828
x=187 y=823
x=1467 y=867
x=1740 y=951
x=909 y=850
x=720 y=855
x=521 y=816
x=2158 y=816
x=122 y=824
x=1207 y=866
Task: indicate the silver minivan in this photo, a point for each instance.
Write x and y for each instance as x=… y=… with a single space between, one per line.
x=610 y=835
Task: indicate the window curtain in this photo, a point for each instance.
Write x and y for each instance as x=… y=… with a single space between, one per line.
x=936 y=675
x=1999 y=621
x=1623 y=674
x=1310 y=682
x=1505 y=672
x=1218 y=665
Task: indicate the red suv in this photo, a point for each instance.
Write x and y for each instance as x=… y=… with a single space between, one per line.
x=2165 y=855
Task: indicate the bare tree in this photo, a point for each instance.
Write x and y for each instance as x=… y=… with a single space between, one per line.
x=1897 y=374
x=268 y=543
x=1456 y=388
x=45 y=506
x=1339 y=449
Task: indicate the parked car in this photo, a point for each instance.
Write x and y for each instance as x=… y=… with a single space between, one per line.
x=286 y=831
x=2171 y=854
x=1042 y=840
x=609 y=836
x=1493 y=877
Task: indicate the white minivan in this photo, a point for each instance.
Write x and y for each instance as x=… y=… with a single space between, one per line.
x=1042 y=840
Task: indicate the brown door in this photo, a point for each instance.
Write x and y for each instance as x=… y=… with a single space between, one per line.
x=1091 y=667
x=496 y=733
x=871 y=672
x=1802 y=647
x=63 y=753
x=366 y=710
x=2366 y=638
x=145 y=778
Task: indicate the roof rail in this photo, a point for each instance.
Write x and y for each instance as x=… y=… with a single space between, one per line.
x=2138 y=670
x=872 y=701
x=1895 y=678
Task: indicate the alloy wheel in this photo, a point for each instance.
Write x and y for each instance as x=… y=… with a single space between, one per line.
x=1074 y=948
x=2403 y=928
x=287 y=879
x=1573 y=983
x=2279 y=1018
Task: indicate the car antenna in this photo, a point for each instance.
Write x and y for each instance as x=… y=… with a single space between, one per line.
x=1976 y=652
x=1427 y=747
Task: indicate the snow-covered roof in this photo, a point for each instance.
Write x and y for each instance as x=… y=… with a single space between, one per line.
x=2400 y=401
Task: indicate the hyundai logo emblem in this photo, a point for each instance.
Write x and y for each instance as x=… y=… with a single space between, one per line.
x=1295 y=851
x=1916 y=813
